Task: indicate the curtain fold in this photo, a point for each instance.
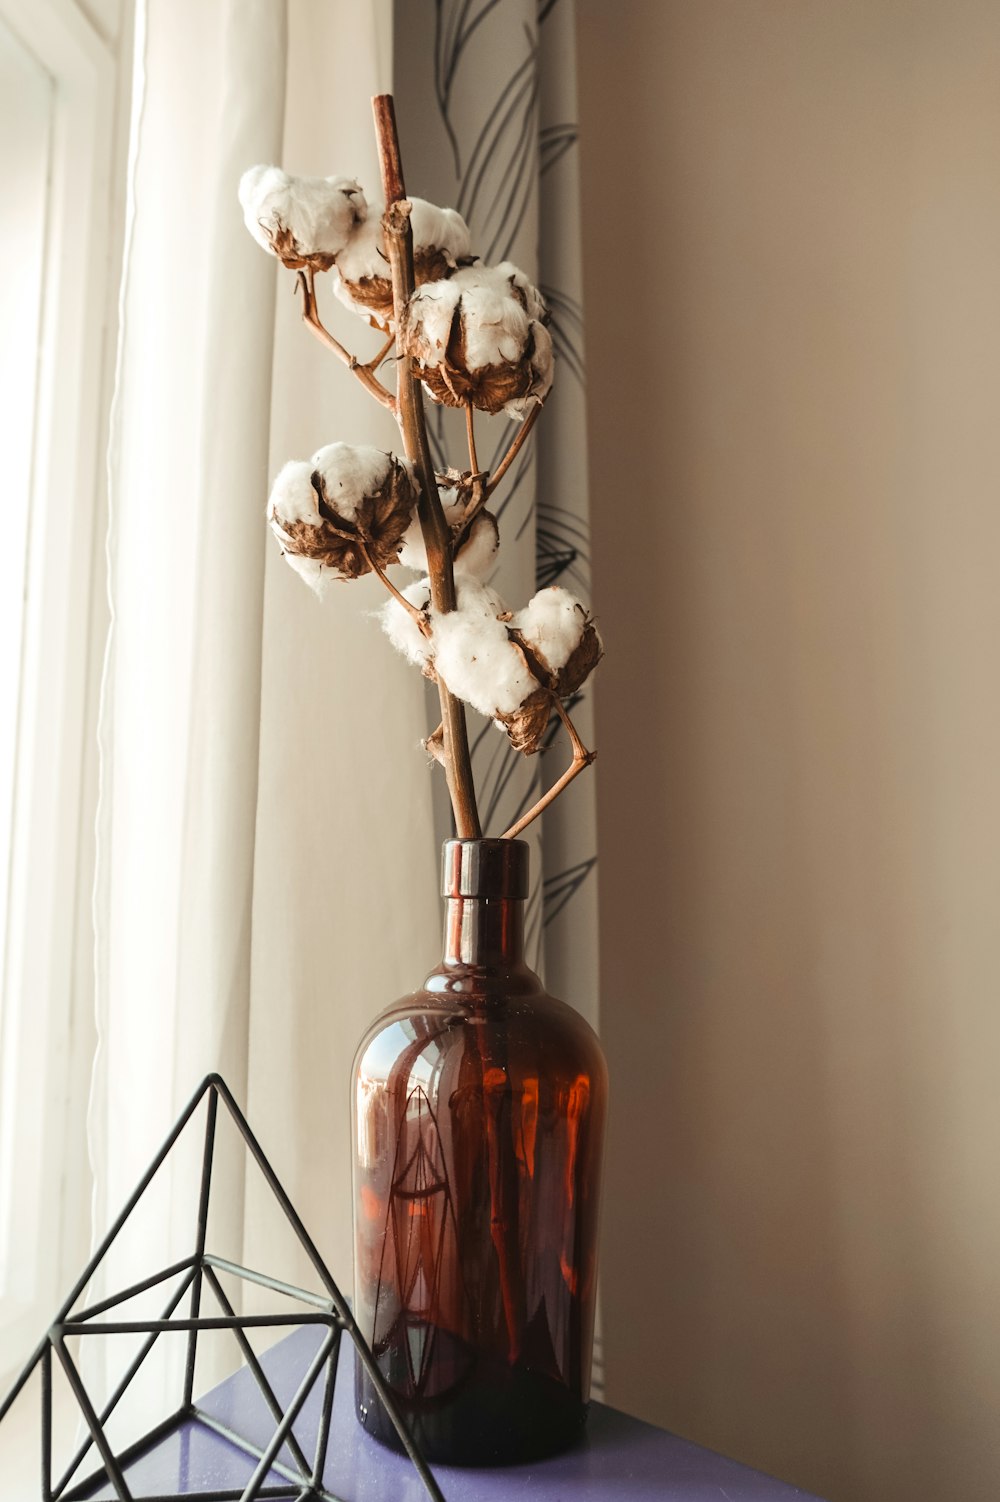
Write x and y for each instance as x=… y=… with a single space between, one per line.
x=346 y=914
x=180 y=710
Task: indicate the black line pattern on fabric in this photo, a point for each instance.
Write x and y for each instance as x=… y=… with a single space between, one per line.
x=499 y=772
x=455 y=25
x=513 y=482
x=519 y=86
x=495 y=189
x=553 y=143
x=566 y=328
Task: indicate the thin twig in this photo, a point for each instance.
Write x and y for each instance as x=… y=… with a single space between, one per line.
x=313 y=322
x=470 y=431
x=579 y=749
x=512 y=453
x=418 y=617
x=582 y=758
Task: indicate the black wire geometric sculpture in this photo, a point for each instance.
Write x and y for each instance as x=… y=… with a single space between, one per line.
x=200 y=1272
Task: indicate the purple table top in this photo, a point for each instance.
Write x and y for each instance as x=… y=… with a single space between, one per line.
x=620 y=1456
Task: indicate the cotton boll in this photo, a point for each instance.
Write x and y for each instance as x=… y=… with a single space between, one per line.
x=552 y=624
x=364 y=283
x=347 y=509
x=402 y=630
x=304 y=221
x=475 y=657
x=477 y=556
x=557 y=628
x=479 y=337
x=352 y=473
x=439 y=229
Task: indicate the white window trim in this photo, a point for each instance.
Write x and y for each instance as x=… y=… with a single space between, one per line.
x=45 y=1052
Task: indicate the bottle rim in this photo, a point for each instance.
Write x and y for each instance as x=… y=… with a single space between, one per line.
x=486 y=868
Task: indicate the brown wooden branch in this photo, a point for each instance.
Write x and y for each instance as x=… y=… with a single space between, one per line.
x=470 y=432
x=417 y=616
x=524 y=428
x=310 y=317
x=582 y=758
x=413 y=427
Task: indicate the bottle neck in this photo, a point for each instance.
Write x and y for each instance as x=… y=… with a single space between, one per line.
x=484 y=931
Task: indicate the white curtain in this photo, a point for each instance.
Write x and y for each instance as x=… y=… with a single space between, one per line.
x=203 y=649
x=267 y=837
x=180 y=709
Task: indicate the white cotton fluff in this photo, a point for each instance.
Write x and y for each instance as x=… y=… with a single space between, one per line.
x=469 y=647
x=413 y=554
x=434 y=229
x=317 y=213
x=293 y=499
x=350 y=472
x=552 y=622
x=475 y=656
x=402 y=630
x=502 y=315
x=478 y=554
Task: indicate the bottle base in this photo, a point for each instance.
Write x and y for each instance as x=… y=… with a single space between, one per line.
x=497 y=1416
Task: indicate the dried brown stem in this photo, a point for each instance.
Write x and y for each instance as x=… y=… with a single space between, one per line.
x=582 y=758
x=313 y=322
x=515 y=448
x=470 y=431
x=418 y=617
x=409 y=410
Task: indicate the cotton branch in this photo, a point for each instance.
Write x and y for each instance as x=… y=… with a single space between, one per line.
x=365 y=373
x=409 y=409
x=417 y=616
x=582 y=758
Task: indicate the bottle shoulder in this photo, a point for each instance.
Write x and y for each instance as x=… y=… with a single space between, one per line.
x=455 y=1002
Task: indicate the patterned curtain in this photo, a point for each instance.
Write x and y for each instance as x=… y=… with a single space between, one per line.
x=486 y=99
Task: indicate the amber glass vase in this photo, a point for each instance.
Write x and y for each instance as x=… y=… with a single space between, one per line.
x=478 y=1111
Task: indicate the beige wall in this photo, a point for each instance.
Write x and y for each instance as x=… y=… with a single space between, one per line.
x=792 y=219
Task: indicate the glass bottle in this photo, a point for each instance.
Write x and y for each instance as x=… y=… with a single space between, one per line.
x=478 y=1123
